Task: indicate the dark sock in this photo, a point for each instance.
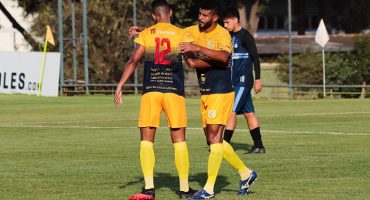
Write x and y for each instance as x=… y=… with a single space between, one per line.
x=228 y=134
x=257 y=138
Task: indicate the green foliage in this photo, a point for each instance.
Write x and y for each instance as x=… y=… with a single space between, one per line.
x=361 y=57
x=342 y=68
x=108 y=23
x=306 y=68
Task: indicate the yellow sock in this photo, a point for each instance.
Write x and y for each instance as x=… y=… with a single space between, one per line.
x=214 y=163
x=233 y=159
x=182 y=164
x=147 y=160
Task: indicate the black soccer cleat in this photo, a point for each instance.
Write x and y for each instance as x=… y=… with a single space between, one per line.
x=256 y=149
x=186 y=195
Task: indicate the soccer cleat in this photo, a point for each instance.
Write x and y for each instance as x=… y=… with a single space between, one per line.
x=146 y=194
x=256 y=149
x=202 y=194
x=186 y=195
x=244 y=184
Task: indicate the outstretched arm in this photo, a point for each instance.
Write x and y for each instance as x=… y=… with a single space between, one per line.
x=135 y=30
x=129 y=69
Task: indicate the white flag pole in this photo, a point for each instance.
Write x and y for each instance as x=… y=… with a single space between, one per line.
x=322 y=38
x=323 y=71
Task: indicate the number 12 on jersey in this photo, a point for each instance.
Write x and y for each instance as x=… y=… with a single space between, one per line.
x=159 y=55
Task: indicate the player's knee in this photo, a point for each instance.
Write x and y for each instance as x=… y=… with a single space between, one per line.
x=213 y=139
x=250 y=115
x=178 y=135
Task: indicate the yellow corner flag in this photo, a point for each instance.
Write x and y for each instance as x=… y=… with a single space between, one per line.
x=49 y=35
x=48 y=39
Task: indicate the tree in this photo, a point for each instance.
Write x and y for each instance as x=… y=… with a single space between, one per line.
x=342 y=68
x=108 y=23
x=353 y=16
x=361 y=58
x=18 y=27
x=250 y=12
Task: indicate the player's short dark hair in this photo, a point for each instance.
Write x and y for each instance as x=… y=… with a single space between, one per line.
x=232 y=12
x=160 y=3
x=212 y=5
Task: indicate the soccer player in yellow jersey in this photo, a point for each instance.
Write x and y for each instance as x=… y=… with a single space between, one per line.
x=210 y=55
x=163 y=90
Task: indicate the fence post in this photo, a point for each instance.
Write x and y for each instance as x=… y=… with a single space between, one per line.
x=86 y=52
x=61 y=48
x=290 y=49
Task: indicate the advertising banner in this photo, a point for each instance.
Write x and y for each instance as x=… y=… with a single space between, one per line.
x=20 y=73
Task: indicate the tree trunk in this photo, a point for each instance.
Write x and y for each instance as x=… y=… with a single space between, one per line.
x=243 y=17
x=254 y=18
x=299 y=12
x=250 y=21
x=363 y=90
x=16 y=25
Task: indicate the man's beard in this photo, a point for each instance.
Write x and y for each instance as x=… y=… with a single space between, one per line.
x=205 y=25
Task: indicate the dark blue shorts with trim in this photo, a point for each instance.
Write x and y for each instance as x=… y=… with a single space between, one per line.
x=243 y=102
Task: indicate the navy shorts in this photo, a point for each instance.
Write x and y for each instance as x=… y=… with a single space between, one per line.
x=243 y=102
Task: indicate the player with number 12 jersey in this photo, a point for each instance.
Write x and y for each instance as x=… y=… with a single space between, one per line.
x=163 y=64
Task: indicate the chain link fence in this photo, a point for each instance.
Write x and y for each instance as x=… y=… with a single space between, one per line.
x=347 y=73
x=347 y=53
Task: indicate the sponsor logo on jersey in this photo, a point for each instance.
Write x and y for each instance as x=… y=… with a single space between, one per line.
x=203 y=78
x=212 y=114
x=242 y=79
x=210 y=44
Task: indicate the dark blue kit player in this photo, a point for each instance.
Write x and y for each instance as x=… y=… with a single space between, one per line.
x=244 y=60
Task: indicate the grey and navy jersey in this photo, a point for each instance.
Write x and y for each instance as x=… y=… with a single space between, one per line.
x=244 y=56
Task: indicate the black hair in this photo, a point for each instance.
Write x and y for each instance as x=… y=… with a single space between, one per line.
x=160 y=3
x=232 y=12
x=212 y=5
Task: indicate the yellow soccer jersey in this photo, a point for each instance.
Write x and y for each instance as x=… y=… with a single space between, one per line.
x=217 y=79
x=218 y=39
x=163 y=69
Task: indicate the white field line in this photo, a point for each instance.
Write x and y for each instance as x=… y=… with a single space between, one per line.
x=188 y=128
x=71 y=122
x=113 y=120
x=315 y=114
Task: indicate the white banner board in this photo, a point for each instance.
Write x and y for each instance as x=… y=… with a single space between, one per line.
x=20 y=73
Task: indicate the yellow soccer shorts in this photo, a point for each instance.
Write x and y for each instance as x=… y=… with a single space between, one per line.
x=152 y=105
x=216 y=108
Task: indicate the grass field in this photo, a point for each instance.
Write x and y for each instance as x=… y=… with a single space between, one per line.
x=86 y=148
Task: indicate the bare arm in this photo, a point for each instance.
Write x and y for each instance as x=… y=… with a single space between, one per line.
x=220 y=56
x=129 y=69
x=197 y=63
x=135 y=30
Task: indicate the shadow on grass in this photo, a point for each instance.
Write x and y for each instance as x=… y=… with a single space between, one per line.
x=240 y=146
x=236 y=146
x=160 y=180
x=165 y=180
x=221 y=182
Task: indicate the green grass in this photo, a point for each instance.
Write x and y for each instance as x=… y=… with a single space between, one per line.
x=85 y=148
